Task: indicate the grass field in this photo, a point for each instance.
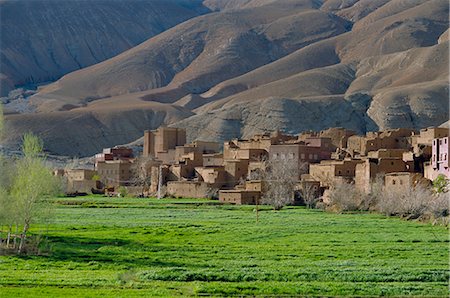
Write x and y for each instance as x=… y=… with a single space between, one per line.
x=143 y=247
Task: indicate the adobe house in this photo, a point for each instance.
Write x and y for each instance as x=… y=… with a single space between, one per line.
x=367 y=171
x=400 y=138
x=188 y=189
x=207 y=147
x=236 y=170
x=115 y=153
x=300 y=154
x=440 y=164
x=210 y=160
x=255 y=185
x=215 y=176
x=232 y=151
x=162 y=142
x=115 y=173
x=399 y=181
x=328 y=171
x=80 y=180
x=240 y=197
x=255 y=147
x=338 y=135
x=387 y=153
x=184 y=166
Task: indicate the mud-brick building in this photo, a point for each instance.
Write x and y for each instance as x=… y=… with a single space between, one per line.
x=329 y=171
x=423 y=141
x=161 y=143
x=80 y=180
x=115 y=153
x=189 y=189
x=240 y=197
x=401 y=181
x=367 y=171
x=115 y=173
x=400 y=138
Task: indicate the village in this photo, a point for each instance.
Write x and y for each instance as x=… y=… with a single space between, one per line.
x=232 y=172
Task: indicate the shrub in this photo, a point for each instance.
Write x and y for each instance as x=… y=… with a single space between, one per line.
x=344 y=197
x=440 y=184
x=406 y=202
x=123 y=191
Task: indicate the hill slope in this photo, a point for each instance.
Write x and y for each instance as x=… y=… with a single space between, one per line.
x=43 y=40
x=260 y=65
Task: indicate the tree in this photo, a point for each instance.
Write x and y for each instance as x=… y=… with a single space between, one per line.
x=310 y=194
x=279 y=179
x=440 y=184
x=142 y=171
x=344 y=197
x=33 y=182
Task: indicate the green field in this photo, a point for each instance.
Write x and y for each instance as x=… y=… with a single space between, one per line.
x=143 y=247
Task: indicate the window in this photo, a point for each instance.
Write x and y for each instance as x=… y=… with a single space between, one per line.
x=401 y=182
x=339 y=172
x=302 y=156
x=310 y=156
x=440 y=142
x=392 y=163
x=393 y=182
x=348 y=171
x=291 y=155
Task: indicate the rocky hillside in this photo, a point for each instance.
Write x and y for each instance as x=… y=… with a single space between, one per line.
x=43 y=40
x=249 y=66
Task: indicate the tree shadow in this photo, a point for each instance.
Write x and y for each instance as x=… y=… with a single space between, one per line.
x=116 y=252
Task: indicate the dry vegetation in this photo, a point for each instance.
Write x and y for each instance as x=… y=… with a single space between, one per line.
x=419 y=202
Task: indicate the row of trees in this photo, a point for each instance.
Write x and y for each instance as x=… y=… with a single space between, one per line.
x=25 y=185
x=421 y=201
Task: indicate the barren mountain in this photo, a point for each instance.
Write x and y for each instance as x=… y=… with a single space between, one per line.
x=43 y=40
x=258 y=65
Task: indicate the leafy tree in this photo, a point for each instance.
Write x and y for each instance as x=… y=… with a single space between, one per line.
x=440 y=184
x=32 y=183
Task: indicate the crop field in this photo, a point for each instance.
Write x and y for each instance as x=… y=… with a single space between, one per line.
x=127 y=247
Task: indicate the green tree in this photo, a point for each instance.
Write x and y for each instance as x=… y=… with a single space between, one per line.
x=440 y=184
x=33 y=182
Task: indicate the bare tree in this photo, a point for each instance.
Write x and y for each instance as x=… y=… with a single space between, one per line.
x=344 y=197
x=309 y=193
x=279 y=179
x=410 y=202
x=142 y=172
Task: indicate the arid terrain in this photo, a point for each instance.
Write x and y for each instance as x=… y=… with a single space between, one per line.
x=220 y=68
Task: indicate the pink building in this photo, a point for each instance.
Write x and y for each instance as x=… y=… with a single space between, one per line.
x=439 y=159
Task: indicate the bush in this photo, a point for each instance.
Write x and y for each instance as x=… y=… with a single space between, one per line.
x=440 y=184
x=123 y=191
x=344 y=197
x=406 y=202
